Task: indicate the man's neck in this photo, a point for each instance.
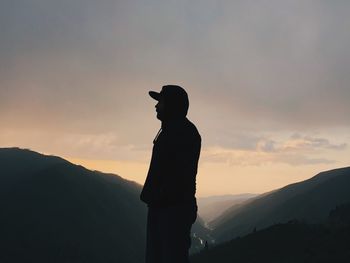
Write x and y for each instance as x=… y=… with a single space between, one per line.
x=172 y=121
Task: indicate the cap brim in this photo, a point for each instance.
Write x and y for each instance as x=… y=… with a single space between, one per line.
x=154 y=95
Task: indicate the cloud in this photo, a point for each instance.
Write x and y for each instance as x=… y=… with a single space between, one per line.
x=296 y=150
x=104 y=146
x=107 y=146
x=244 y=158
x=256 y=158
x=299 y=142
x=266 y=145
x=272 y=63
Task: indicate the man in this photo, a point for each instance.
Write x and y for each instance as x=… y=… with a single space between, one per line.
x=170 y=186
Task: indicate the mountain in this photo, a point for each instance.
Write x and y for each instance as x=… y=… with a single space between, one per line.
x=291 y=242
x=56 y=211
x=309 y=200
x=211 y=207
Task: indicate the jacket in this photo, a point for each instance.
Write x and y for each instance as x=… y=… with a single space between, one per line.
x=171 y=177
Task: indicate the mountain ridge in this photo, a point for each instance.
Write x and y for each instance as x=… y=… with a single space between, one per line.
x=211 y=207
x=56 y=211
x=307 y=200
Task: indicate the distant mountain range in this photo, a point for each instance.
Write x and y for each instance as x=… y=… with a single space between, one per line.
x=309 y=201
x=211 y=207
x=56 y=211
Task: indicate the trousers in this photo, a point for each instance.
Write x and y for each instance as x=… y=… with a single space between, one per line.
x=169 y=233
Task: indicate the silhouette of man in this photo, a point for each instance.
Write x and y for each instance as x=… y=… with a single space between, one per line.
x=170 y=186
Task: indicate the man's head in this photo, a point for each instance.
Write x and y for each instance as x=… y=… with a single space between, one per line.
x=172 y=102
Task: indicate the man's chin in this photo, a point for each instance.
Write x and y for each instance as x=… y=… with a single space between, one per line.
x=159 y=116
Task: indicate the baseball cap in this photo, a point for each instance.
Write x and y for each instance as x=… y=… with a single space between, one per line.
x=172 y=92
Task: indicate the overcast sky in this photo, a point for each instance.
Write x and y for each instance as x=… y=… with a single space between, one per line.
x=268 y=83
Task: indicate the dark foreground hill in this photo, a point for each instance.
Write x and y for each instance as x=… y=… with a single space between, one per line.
x=310 y=201
x=55 y=211
x=292 y=242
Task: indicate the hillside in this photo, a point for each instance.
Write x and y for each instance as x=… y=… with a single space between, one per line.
x=310 y=200
x=211 y=207
x=55 y=211
x=292 y=242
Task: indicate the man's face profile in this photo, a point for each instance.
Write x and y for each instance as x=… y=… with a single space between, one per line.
x=160 y=109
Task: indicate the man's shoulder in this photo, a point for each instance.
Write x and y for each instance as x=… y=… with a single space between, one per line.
x=191 y=125
x=182 y=129
x=192 y=129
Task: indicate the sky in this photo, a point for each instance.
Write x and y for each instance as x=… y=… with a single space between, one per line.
x=268 y=83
